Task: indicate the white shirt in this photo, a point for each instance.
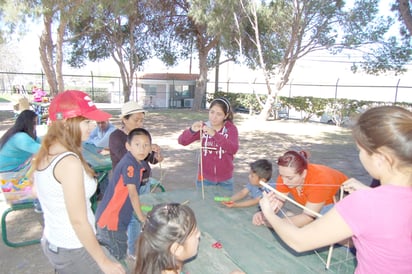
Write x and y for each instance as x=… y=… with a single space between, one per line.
x=57 y=227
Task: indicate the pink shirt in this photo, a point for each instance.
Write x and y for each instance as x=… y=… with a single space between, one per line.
x=217 y=151
x=381 y=222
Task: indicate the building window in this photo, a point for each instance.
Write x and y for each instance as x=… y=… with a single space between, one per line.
x=151 y=90
x=182 y=91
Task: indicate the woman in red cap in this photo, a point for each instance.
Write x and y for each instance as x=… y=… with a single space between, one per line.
x=65 y=183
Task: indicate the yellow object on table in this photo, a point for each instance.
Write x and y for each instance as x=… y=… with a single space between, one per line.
x=17 y=191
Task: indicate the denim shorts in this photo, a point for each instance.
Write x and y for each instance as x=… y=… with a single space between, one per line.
x=76 y=260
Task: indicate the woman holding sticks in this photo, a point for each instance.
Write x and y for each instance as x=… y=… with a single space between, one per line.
x=379 y=220
x=311 y=185
x=219 y=141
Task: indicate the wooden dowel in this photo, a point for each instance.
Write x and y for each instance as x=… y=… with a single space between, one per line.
x=290 y=200
x=201 y=163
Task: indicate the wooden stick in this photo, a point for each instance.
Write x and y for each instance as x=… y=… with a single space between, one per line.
x=325 y=185
x=185 y=202
x=201 y=163
x=328 y=260
x=159 y=182
x=341 y=193
x=210 y=148
x=290 y=200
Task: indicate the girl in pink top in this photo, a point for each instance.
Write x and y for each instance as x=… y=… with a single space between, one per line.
x=220 y=142
x=379 y=220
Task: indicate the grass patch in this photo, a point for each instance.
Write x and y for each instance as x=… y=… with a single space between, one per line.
x=4 y=100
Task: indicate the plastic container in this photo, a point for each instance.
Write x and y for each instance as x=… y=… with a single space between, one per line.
x=16 y=188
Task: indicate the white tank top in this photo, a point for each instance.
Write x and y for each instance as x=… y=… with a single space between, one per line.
x=57 y=227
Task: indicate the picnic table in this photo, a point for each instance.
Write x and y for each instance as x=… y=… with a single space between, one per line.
x=100 y=163
x=253 y=249
x=17 y=198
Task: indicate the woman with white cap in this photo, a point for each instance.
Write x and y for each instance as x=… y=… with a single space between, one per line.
x=132 y=115
x=64 y=183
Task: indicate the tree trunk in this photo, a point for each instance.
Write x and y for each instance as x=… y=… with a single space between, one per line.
x=200 y=89
x=405 y=11
x=126 y=78
x=59 y=55
x=46 y=53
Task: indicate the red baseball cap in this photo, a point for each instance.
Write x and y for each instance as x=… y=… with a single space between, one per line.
x=74 y=103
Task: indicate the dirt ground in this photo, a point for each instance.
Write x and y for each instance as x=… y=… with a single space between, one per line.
x=327 y=144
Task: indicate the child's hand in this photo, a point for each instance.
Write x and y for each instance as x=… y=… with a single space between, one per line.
x=109 y=266
x=209 y=130
x=157 y=152
x=196 y=126
x=142 y=218
x=105 y=152
x=228 y=204
x=269 y=203
x=258 y=218
x=237 y=272
x=352 y=185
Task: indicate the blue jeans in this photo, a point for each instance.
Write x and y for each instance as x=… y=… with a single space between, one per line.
x=226 y=186
x=114 y=241
x=134 y=227
x=326 y=208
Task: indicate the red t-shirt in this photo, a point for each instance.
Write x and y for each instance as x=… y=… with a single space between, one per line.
x=321 y=184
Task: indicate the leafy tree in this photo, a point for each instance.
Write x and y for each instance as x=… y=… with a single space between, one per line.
x=113 y=29
x=55 y=15
x=275 y=34
x=132 y=33
x=208 y=21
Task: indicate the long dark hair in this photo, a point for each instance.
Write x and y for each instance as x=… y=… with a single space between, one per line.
x=165 y=225
x=24 y=123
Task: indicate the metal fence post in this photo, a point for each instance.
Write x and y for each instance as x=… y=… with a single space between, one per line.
x=396 y=91
x=42 y=80
x=91 y=72
x=336 y=89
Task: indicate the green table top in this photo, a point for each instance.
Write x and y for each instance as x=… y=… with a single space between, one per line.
x=100 y=163
x=245 y=246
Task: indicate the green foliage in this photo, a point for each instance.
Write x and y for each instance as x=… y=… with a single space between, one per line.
x=288 y=30
x=99 y=95
x=117 y=31
x=232 y=97
x=365 y=30
x=309 y=105
x=340 y=110
x=237 y=100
